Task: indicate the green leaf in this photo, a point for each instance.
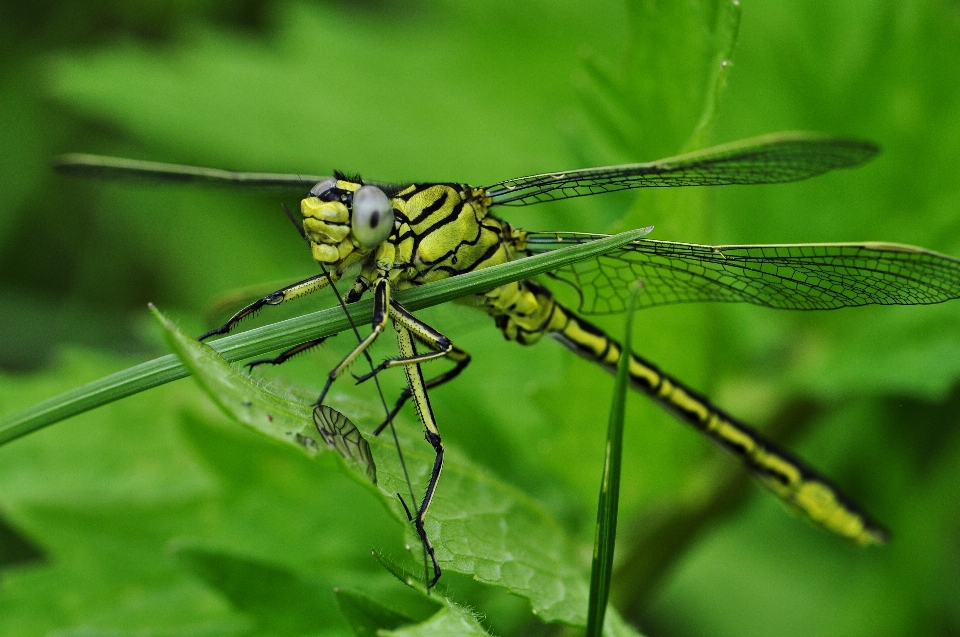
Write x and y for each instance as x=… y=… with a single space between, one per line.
x=493 y=532
x=367 y=616
x=278 y=601
x=451 y=621
x=406 y=577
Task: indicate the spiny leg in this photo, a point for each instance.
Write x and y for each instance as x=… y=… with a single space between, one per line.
x=356 y=293
x=442 y=348
x=359 y=287
x=301 y=288
x=357 y=290
x=459 y=356
x=381 y=312
x=430 y=384
x=418 y=390
x=286 y=355
x=408 y=329
x=441 y=345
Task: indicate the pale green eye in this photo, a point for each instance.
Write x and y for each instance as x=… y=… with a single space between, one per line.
x=372 y=216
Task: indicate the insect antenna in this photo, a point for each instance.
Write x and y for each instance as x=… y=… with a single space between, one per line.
x=296 y=224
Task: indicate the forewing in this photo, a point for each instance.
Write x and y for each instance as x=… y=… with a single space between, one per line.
x=804 y=276
x=102 y=167
x=770 y=159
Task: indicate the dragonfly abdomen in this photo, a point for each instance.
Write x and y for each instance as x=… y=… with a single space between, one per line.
x=798 y=485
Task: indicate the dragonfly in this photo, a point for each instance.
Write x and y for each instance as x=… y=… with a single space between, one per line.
x=391 y=237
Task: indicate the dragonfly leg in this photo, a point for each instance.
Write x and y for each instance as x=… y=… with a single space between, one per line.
x=301 y=288
x=357 y=291
x=418 y=391
x=381 y=312
x=441 y=345
x=286 y=355
x=442 y=348
x=462 y=359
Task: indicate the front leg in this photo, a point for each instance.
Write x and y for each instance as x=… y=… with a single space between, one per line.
x=287 y=354
x=295 y=291
x=381 y=304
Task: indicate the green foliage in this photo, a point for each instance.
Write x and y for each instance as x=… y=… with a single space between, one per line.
x=607 y=507
x=158 y=515
x=366 y=615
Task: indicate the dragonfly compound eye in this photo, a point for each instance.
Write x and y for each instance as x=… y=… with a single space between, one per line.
x=322 y=187
x=372 y=216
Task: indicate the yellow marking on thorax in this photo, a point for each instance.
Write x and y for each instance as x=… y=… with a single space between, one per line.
x=453 y=236
x=386 y=256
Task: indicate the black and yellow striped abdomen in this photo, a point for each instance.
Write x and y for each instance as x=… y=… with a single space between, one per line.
x=799 y=486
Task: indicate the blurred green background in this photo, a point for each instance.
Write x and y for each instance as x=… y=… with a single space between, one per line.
x=156 y=515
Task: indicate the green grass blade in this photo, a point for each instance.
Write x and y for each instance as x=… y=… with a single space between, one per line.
x=291 y=332
x=610 y=486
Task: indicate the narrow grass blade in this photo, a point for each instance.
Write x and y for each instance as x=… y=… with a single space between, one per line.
x=610 y=486
x=291 y=332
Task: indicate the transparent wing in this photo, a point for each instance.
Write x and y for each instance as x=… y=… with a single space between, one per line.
x=802 y=276
x=341 y=434
x=99 y=166
x=771 y=159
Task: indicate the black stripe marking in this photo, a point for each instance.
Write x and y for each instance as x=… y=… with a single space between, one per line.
x=453 y=215
x=437 y=204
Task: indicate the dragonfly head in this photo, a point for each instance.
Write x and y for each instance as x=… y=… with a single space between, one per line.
x=342 y=218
